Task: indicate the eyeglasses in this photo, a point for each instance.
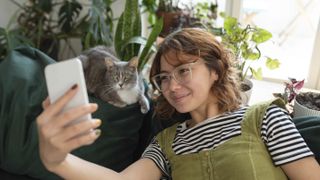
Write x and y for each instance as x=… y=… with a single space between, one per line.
x=181 y=74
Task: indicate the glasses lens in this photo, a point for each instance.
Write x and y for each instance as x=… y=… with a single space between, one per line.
x=161 y=81
x=183 y=74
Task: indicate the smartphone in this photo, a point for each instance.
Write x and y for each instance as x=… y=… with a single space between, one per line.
x=60 y=77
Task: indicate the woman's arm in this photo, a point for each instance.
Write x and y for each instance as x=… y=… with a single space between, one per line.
x=306 y=168
x=57 y=138
x=76 y=168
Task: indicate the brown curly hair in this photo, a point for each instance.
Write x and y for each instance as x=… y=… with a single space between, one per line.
x=199 y=42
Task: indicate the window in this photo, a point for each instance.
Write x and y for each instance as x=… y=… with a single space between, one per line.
x=294 y=25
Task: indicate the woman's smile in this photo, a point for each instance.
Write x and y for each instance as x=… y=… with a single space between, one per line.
x=179 y=98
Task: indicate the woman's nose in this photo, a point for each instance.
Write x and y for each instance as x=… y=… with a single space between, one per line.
x=174 y=84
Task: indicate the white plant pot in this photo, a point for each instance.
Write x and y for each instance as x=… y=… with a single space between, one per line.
x=301 y=110
x=245 y=95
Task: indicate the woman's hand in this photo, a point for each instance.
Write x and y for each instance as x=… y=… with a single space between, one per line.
x=57 y=137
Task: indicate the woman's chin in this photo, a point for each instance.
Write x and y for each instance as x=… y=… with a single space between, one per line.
x=182 y=109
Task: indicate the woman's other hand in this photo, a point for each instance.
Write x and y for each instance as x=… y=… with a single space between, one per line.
x=57 y=137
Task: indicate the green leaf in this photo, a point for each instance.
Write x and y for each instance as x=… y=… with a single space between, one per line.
x=230 y=24
x=99 y=30
x=136 y=30
x=68 y=14
x=156 y=30
x=45 y=5
x=261 y=35
x=257 y=74
x=128 y=20
x=272 y=63
x=118 y=38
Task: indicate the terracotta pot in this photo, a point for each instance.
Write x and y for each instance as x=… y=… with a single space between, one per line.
x=170 y=21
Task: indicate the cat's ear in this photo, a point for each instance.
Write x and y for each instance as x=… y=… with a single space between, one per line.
x=134 y=62
x=109 y=62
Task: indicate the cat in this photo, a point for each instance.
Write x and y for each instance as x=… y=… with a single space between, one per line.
x=112 y=80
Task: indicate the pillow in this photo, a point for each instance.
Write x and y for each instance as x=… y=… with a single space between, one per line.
x=125 y=131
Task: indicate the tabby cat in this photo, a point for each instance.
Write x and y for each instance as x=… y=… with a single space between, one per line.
x=112 y=80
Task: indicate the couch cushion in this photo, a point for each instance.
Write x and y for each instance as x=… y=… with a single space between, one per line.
x=309 y=128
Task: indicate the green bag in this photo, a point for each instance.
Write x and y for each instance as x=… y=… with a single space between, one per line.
x=125 y=131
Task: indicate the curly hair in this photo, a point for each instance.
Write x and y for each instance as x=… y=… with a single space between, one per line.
x=199 y=42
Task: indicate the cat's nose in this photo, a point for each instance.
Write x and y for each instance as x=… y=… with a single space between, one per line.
x=120 y=84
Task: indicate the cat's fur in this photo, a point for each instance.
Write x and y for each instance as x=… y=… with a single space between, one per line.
x=114 y=81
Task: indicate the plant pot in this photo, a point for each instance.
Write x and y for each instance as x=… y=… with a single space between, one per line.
x=300 y=109
x=246 y=91
x=170 y=21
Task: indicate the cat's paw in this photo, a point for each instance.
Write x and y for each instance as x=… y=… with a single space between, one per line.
x=145 y=106
x=144 y=109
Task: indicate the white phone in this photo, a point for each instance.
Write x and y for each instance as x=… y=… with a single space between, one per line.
x=60 y=77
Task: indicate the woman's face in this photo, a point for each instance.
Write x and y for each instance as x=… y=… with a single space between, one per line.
x=189 y=95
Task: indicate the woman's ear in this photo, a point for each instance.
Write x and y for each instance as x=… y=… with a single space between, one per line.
x=214 y=76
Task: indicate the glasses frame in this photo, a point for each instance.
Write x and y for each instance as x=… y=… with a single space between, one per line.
x=172 y=74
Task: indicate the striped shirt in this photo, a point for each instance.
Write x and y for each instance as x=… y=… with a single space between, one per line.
x=278 y=132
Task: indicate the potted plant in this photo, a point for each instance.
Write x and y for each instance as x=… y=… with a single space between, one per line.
x=291 y=90
x=174 y=13
x=45 y=23
x=128 y=38
x=244 y=42
x=304 y=103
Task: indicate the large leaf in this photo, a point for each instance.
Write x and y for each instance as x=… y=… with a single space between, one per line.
x=99 y=32
x=272 y=63
x=257 y=74
x=261 y=35
x=151 y=39
x=68 y=14
x=230 y=24
x=45 y=5
x=118 y=37
x=137 y=31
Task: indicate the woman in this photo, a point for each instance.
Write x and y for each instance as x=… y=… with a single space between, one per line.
x=222 y=140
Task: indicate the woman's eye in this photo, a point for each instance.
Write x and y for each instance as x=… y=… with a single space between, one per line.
x=183 y=71
x=164 y=78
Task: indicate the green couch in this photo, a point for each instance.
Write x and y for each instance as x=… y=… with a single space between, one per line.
x=125 y=131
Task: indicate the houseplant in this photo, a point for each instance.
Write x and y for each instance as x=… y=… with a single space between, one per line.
x=291 y=90
x=128 y=39
x=300 y=103
x=244 y=42
x=45 y=23
x=175 y=14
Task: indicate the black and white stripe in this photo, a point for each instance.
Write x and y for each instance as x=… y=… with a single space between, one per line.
x=282 y=138
x=280 y=135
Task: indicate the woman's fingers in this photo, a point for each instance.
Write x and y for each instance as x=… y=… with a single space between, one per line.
x=58 y=123
x=57 y=106
x=85 y=139
x=66 y=118
x=46 y=103
x=78 y=129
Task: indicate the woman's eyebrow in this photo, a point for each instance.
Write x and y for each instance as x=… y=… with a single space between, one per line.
x=163 y=71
